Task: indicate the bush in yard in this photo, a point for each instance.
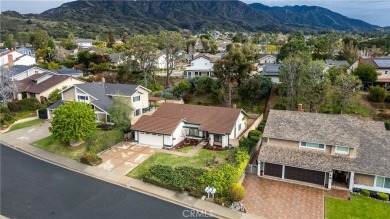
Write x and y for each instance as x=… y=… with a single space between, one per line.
x=254 y=138
x=28 y=104
x=187 y=98
x=182 y=88
x=6 y=117
x=73 y=121
x=236 y=192
x=254 y=133
x=377 y=94
x=91 y=159
x=365 y=192
x=387 y=126
x=383 y=196
x=202 y=84
x=100 y=141
x=387 y=99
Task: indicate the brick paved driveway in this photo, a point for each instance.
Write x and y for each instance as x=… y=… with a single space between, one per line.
x=275 y=199
x=125 y=156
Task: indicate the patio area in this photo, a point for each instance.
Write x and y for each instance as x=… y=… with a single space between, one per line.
x=125 y=156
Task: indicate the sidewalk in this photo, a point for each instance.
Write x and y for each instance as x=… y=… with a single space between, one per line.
x=23 y=144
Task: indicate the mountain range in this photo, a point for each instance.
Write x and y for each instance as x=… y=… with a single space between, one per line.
x=94 y=17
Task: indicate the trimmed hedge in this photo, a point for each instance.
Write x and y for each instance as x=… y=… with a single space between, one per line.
x=91 y=159
x=365 y=192
x=387 y=126
x=254 y=133
x=99 y=141
x=29 y=104
x=383 y=196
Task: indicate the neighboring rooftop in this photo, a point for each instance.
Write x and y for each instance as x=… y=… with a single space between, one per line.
x=219 y=120
x=155 y=124
x=30 y=84
x=382 y=63
x=17 y=69
x=212 y=58
x=116 y=57
x=337 y=63
x=265 y=55
x=369 y=138
x=271 y=69
x=68 y=71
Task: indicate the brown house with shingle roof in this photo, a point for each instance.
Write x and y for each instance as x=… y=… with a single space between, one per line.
x=172 y=123
x=328 y=150
x=42 y=84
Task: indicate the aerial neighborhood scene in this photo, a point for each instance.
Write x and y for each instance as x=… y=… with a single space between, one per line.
x=195 y=109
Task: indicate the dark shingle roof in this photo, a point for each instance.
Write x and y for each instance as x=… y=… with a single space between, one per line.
x=17 y=69
x=271 y=69
x=369 y=138
x=56 y=105
x=155 y=124
x=116 y=57
x=218 y=120
x=29 y=84
x=102 y=91
x=336 y=63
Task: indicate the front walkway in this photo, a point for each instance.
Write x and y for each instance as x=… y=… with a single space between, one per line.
x=275 y=199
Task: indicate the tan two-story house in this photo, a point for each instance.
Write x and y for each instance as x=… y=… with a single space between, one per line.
x=100 y=95
x=327 y=150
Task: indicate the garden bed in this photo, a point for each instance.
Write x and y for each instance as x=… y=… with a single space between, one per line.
x=215 y=148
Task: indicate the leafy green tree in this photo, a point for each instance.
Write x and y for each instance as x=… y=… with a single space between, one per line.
x=291 y=73
x=213 y=47
x=231 y=69
x=23 y=38
x=53 y=66
x=40 y=39
x=110 y=38
x=144 y=49
x=9 y=41
x=366 y=73
x=205 y=45
x=293 y=48
x=333 y=72
x=345 y=89
x=73 y=122
x=125 y=37
x=172 y=42
x=55 y=95
x=121 y=112
x=377 y=94
x=202 y=84
x=315 y=84
x=255 y=89
x=236 y=192
x=331 y=43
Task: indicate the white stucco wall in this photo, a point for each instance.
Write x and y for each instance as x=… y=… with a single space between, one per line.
x=385 y=73
x=178 y=134
x=68 y=82
x=235 y=132
x=267 y=59
x=201 y=63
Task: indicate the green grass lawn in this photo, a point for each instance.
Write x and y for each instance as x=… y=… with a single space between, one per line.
x=55 y=146
x=26 y=124
x=197 y=161
x=358 y=207
x=186 y=149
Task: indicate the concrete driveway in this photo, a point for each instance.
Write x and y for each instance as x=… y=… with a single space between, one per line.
x=275 y=199
x=27 y=135
x=125 y=156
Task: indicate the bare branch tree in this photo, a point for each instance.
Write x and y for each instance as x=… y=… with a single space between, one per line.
x=8 y=86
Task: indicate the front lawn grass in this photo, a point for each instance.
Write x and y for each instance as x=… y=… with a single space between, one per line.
x=197 y=161
x=26 y=124
x=50 y=144
x=358 y=207
x=186 y=149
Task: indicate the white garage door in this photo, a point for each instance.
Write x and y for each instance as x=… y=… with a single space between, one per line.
x=151 y=139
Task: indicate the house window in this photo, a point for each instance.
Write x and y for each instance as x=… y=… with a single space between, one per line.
x=82 y=98
x=217 y=138
x=386 y=72
x=194 y=132
x=239 y=127
x=382 y=182
x=342 y=150
x=312 y=145
x=205 y=63
x=137 y=112
x=136 y=98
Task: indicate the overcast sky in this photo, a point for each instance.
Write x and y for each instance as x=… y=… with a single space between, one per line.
x=372 y=11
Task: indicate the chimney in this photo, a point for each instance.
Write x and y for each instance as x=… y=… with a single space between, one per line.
x=10 y=60
x=103 y=80
x=234 y=106
x=360 y=60
x=300 y=107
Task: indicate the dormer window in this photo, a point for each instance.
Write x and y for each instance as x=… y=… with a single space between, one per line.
x=82 y=98
x=311 y=145
x=342 y=150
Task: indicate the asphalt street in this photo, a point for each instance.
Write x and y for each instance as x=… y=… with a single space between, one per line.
x=31 y=188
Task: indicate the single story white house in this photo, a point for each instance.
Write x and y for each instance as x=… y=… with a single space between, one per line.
x=172 y=123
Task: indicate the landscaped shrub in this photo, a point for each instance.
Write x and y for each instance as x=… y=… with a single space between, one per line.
x=182 y=88
x=6 y=117
x=91 y=159
x=383 y=196
x=28 y=104
x=387 y=125
x=365 y=192
x=223 y=200
x=100 y=141
x=254 y=133
x=187 y=98
x=202 y=84
x=254 y=138
x=178 y=179
x=387 y=98
x=247 y=144
x=377 y=94
x=236 y=192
